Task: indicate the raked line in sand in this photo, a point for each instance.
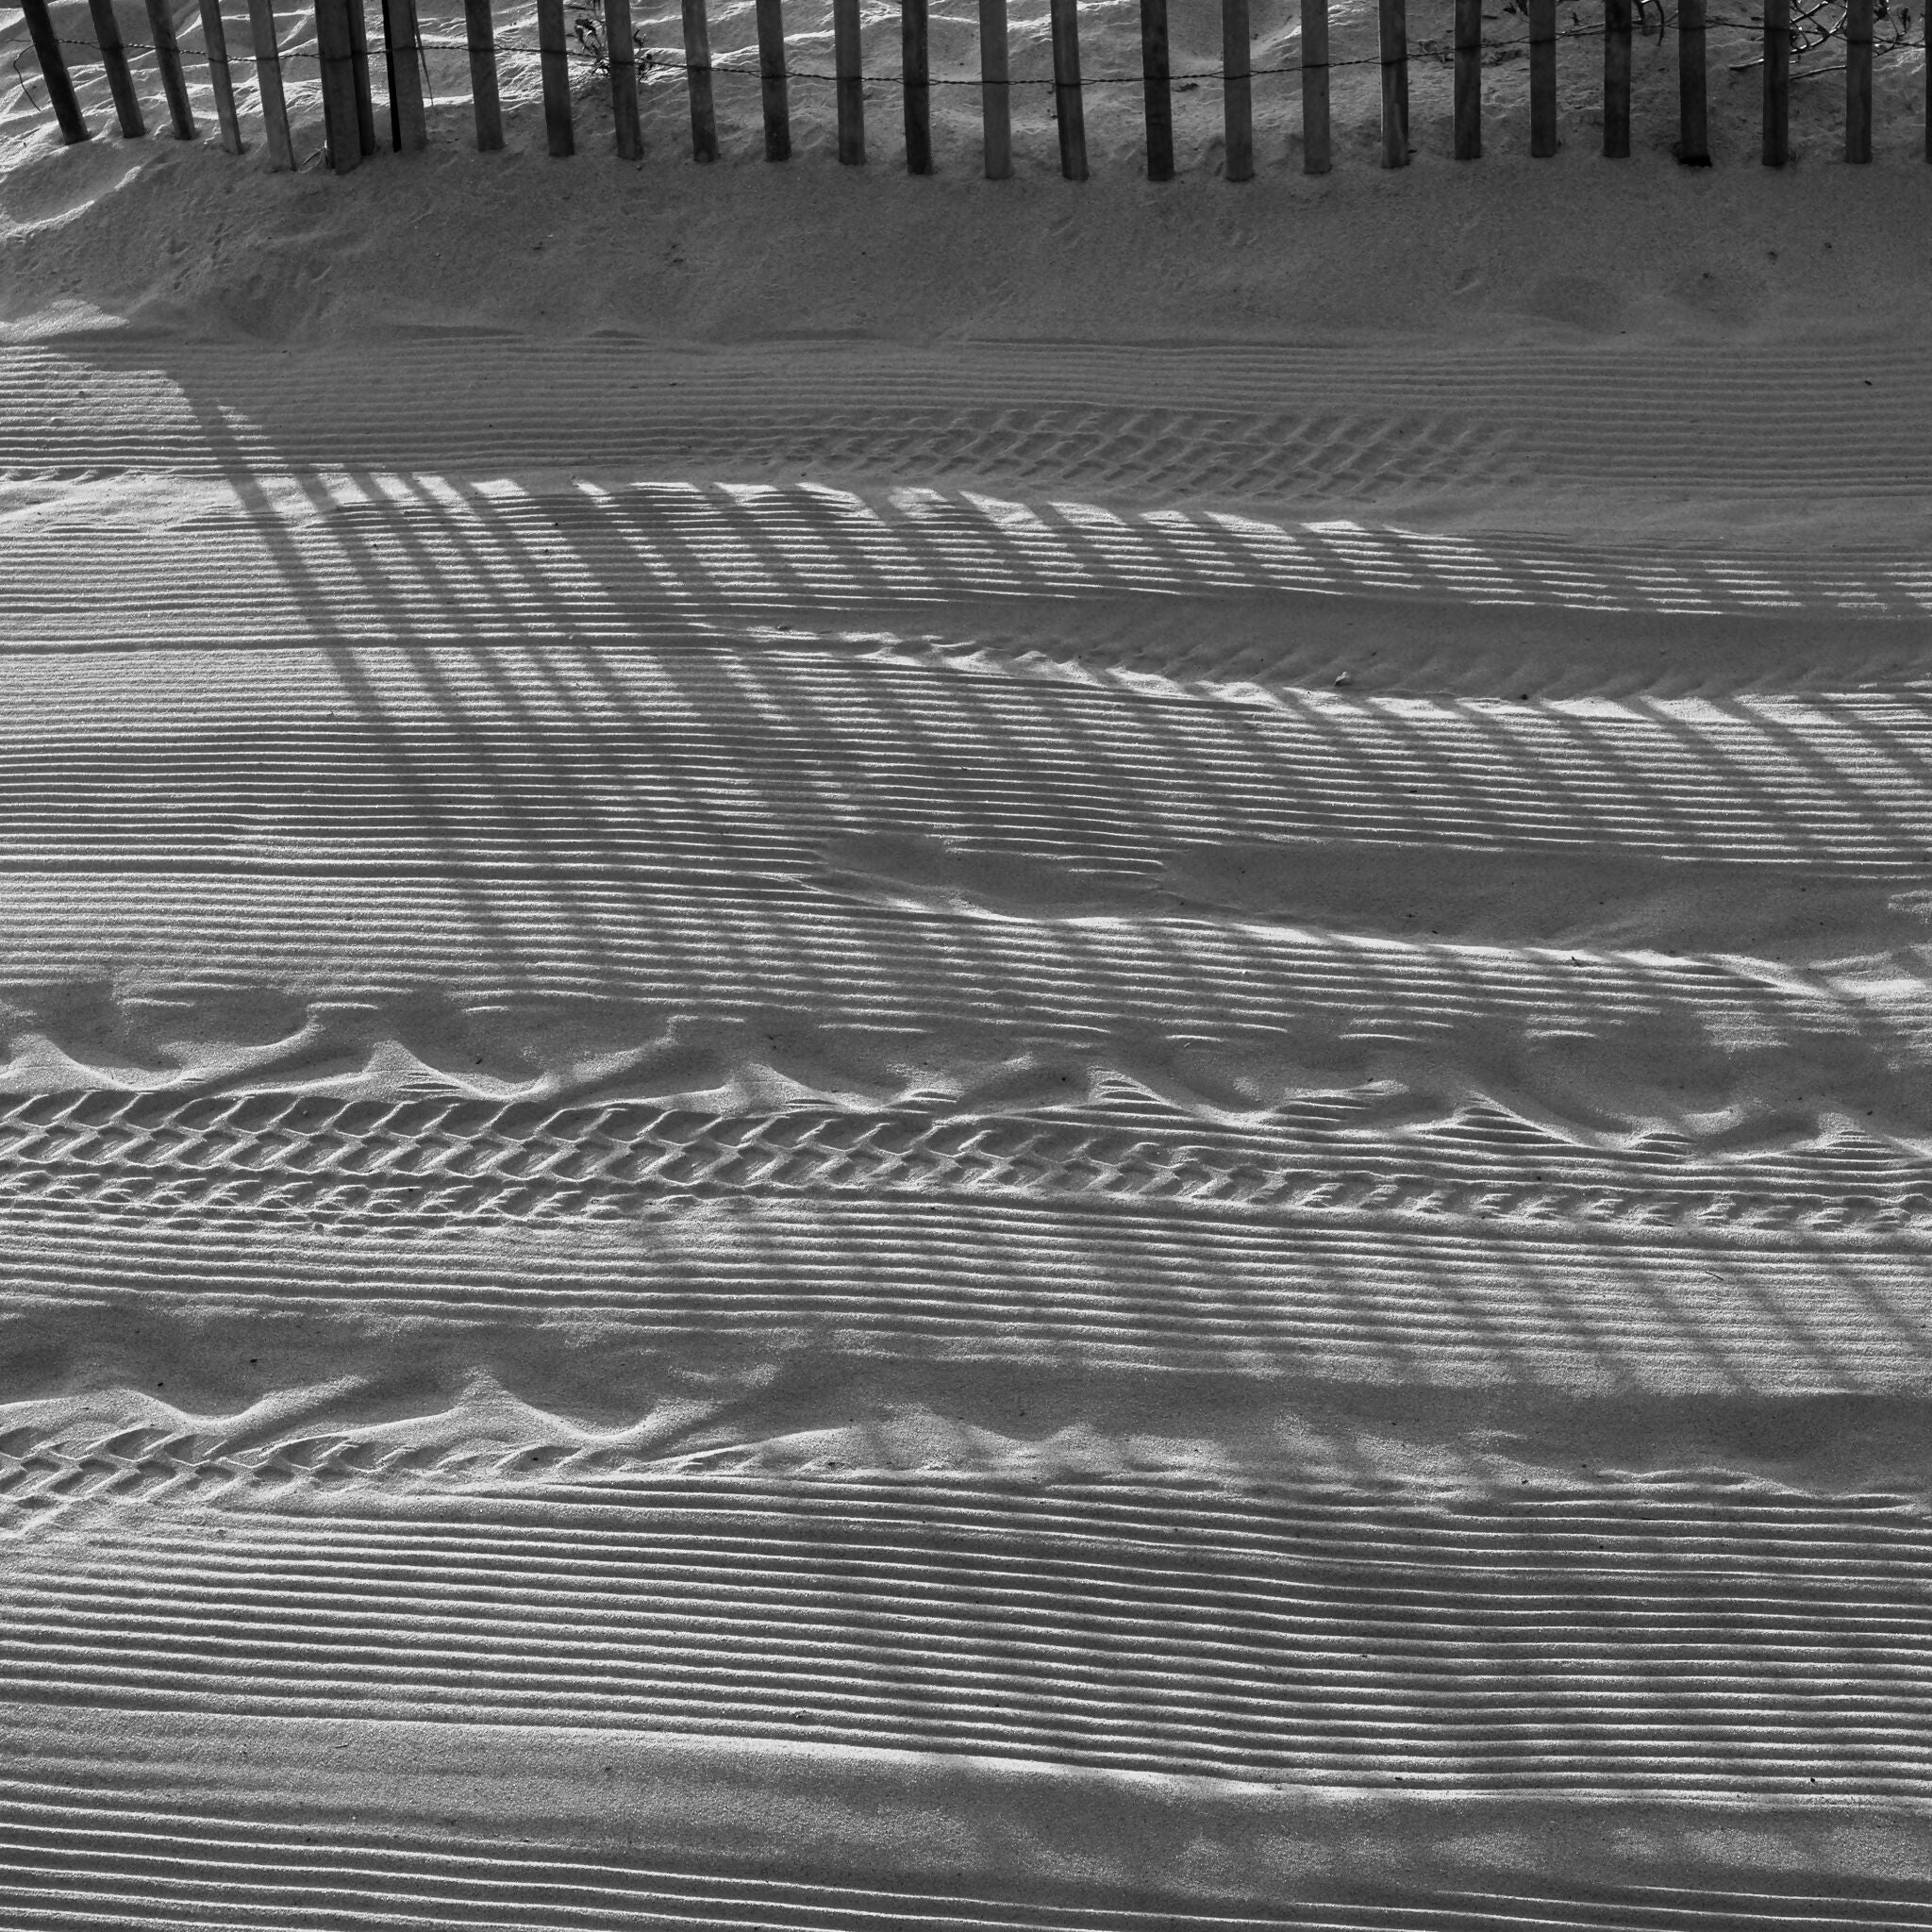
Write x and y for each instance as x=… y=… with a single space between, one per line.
x=1028 y=1131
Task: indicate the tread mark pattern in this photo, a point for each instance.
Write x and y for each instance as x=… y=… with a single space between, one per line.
x=452 y=1160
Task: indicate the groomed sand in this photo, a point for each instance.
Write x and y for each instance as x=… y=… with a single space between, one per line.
x=916 y=1053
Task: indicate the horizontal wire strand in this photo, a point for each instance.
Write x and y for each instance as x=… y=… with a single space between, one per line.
x=655 y=65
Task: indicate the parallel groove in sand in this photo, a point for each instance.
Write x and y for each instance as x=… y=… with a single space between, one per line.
x=1660 y=1637
x=588 y=401
x=484 y=826
x=104 y=1847
x=1081 y=1282
x=1243 y=652
x=623 y=762
x=425 y=554
x=883 y=970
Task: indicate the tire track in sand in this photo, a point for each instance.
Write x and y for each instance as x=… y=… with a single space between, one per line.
x=578 y=719
x=1346 y=420
x=308 y=1155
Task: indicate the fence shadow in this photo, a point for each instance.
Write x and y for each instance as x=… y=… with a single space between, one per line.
x=628 y=746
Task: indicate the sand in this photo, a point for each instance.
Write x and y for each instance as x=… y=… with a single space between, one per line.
x=885 y=1052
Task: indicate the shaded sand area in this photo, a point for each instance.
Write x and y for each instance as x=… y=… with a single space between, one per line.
x=905 y=1054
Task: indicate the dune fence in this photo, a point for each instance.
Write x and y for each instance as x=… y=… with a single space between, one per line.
x=348 y=100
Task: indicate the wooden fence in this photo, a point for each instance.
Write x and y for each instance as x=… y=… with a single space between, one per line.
x=349 y=116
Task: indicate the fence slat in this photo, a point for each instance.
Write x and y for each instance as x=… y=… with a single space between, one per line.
x=621 y=47
x=995 y=93
x=160 y=23
x=1469 y=80
x=773 y=94
x=1069 y=112
x=850 y=83
x=697 y=76
x=335 y=45
x=1542 y=78
x=53 y=62
x=114 y=60
x=918 y=79
x=1394 y=24
x=1777 y=82
x=484 y=96
x=402 y=49
x=214 y=41
x=1155 y=85
x=268 y=83
x=1315 y=141
x=365 y=96
x=1617 y=80
x=553 y=58
x=1858 y=80
x=1237 y=91
x=1694 y=127
x=389 y=78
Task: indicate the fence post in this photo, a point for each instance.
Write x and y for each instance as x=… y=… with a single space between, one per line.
x=1777 y=82
x=1469 y=80
x=1155 y=84
x=114 y=59
x=772 y=87
x=1694 y=131
x=996 y=94
x=410 y=84
x=365 y=96
x=1542 y=78
x=1315 y=152
x=1394 y=38
x=1069 y=112
x=697 y=75
x=402 y=39
x=850 y=82
x=918 y=79
x=553 y=57
x=168 y=58
x=39 y=26
x=268 y=83
x=1858 y=80
x=335 y=46
x=1237 y=91
x=483 y=94
x=620 y=49
x=1617 y=80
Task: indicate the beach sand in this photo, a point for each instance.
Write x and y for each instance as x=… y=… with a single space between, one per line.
x=887 y=1052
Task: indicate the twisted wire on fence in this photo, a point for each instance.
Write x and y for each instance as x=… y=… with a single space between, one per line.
x=342 y=53
x=657 y=63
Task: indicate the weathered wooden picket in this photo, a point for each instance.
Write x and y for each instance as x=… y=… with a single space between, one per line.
x=349 y=116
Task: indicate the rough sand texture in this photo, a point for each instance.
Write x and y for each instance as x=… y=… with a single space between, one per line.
x=917 y=1054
